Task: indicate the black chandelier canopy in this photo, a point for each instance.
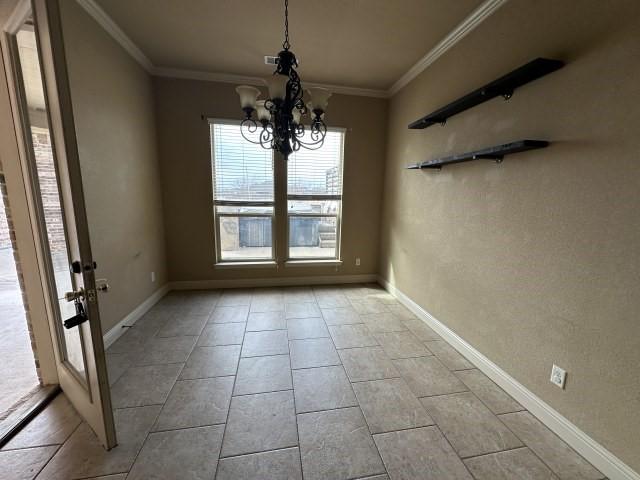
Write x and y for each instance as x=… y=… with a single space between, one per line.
x=279 y=118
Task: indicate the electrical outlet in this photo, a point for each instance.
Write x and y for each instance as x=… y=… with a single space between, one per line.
x=153 y=277
x=357 y=261
x=558 y=376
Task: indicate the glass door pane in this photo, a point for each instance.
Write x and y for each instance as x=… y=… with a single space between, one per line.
x=71 y=342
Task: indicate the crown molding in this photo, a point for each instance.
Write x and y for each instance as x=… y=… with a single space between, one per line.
x=453 y=37
x=103 y=18
x=458 y=33
x=258 y=81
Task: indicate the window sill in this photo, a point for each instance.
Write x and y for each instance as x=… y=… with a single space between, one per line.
x=232 y=265
x=313 y=263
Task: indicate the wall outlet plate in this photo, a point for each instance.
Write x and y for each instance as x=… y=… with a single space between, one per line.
x=558 y=376
x=358 y=262
x=153 y=276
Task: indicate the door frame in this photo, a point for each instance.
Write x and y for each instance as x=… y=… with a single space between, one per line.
x=91 y=398
x=21 y=208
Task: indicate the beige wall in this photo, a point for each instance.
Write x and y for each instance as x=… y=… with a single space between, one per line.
x=537 y=260
x=115 y=125
x=186 y=178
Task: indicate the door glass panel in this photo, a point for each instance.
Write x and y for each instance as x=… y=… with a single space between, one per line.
x=49 y=193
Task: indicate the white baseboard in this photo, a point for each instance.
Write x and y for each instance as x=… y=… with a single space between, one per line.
x=600 y=457
x=115 y=332
x=272 y=282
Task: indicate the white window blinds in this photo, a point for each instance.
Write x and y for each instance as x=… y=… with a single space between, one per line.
x=317 y=172
x=242 y=171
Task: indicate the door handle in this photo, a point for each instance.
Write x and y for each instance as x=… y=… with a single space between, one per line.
x=74 y=295
x=102 y=285
x=76 y=320
x=80 y=316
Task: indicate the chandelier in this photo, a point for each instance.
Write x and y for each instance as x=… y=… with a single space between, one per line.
x=279 y=118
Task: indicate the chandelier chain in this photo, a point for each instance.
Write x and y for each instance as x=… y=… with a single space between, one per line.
x=279 y=125
x=286 y=44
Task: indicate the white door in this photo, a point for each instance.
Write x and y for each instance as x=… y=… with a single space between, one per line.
x=44 y=121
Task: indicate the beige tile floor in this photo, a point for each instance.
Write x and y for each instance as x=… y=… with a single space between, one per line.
x=289 y=383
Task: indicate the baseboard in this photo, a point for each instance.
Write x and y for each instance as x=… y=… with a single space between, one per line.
x=115 y=332
x=272 y=282
x=600 y=457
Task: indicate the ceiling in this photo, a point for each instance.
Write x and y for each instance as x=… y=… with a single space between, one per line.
x=354 y=43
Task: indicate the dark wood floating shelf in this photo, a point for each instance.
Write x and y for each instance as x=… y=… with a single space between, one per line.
x=503 y=86
x=496 y=153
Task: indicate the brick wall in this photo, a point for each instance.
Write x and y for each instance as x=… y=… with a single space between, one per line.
x=6 y=226
x=5 y=238
x=48 y=188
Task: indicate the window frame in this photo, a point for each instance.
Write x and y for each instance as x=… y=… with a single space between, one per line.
x=248 y=261
x=336 y=259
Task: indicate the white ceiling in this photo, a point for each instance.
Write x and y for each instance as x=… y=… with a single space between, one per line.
x=367 y=44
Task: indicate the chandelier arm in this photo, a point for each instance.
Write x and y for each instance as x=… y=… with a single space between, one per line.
x=266 y=137
x=251 y=126
x=317 y=134
x=311 y=146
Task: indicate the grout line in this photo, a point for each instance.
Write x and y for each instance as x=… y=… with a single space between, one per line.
x=295 y=415
x=255 y=453
x=262 y=393
x=267 y=330
x=378 y=380
x=523 y=447
x=331 y=409
x=318 y=366
x=493 y=452
x=449 y=394
x=279 y=449
x=360 y=409
x=405 y=429
x=233 y=387
x=4 y=449
x=187 y=428
x=179 y=379
x=159 y=413
x=54 y=454
x=532 y=450
x=452 y=449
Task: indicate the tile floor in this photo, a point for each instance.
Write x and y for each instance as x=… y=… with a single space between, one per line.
x=307 y=382
x=19 y=377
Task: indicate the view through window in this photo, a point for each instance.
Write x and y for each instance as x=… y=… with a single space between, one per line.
x=244 y=197
x=314 y=199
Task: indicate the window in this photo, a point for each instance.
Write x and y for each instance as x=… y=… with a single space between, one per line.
x=243 y=195
x=314 y=200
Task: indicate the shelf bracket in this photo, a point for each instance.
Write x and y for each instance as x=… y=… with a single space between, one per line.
x=507 y=95
x=497 y=158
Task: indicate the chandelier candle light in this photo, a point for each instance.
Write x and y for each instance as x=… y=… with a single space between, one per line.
x=281 y=115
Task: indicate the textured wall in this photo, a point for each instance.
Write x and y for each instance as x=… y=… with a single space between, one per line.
x=185 y=157
x=534 y=261
x=114 y=116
